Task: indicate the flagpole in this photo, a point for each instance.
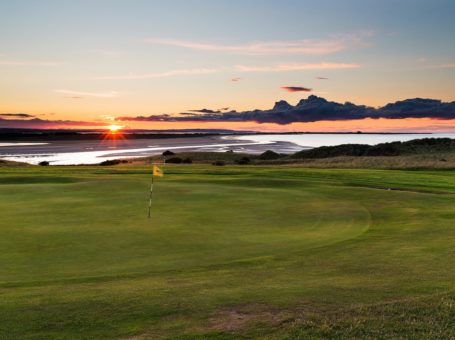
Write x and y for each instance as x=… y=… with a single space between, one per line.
x=150 y=199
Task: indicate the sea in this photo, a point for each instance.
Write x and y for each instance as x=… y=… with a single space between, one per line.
x=95 y=151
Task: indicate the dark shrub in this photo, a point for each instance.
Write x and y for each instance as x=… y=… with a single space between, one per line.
x=43 y=163
x=269 y=155
x=219 y=163
x=243 y=161
x=411 y=147
x=168 y=153
x=385 y=149
x=333 y=151
x=174 y=160
x=113 y=162
x=187 y=161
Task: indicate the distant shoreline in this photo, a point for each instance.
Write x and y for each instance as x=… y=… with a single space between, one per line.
x=98 y=148
x=61 y=135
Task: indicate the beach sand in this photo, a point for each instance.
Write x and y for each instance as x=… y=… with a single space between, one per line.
x=68 y=152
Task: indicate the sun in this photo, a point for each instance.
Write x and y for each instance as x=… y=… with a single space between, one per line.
x=114 y=128
x=114 y=133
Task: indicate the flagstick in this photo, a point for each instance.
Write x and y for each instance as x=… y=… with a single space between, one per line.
x=151 y=193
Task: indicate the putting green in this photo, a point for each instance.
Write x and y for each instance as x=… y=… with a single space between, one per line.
x=73 y=227
x=289 y=252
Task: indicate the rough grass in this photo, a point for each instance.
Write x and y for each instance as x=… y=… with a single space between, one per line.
x=5 y=163
x=230 y=252
x=198 y=157
x=441 y=160
x=422 y=161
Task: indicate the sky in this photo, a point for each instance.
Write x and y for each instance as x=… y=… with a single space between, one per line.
x=82 y=63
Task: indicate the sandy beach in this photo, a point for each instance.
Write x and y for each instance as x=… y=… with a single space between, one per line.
x=95 y=151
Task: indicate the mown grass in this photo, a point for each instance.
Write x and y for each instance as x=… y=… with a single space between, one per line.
x=230 y=252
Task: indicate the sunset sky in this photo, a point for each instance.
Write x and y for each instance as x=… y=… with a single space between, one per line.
x=83 y=63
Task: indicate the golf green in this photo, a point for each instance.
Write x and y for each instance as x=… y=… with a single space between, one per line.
x=228 y=252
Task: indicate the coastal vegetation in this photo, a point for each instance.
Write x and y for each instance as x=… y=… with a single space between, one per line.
x=427 y=153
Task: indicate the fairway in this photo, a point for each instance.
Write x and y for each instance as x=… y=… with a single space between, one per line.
x=228 y=252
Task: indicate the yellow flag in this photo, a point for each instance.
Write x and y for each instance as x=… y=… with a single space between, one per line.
x=157 y=171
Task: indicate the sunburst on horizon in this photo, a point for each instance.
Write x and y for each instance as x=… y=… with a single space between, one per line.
x=114 y=128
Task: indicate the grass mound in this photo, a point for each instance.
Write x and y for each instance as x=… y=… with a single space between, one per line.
x=416 y=146
x=5 y=163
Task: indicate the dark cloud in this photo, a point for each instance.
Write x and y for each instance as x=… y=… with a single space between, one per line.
x=316 y=109
x=43 y=123
x=236 y=79
x=419 y=108
x=296 y=89
x=322 y=78
x=188 y=113
x=157 y=118
x=205 y=111
x=16 y=115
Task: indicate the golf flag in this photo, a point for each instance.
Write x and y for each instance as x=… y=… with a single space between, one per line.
x=157 y=171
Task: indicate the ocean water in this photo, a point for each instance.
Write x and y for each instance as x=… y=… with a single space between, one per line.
x=20 y=144
x=93 y=152
x=317 y=140
x=82 y=152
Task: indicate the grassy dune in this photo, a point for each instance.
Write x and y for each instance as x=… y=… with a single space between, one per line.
x=234 y=251
x=5 y=163
x=426 y=153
